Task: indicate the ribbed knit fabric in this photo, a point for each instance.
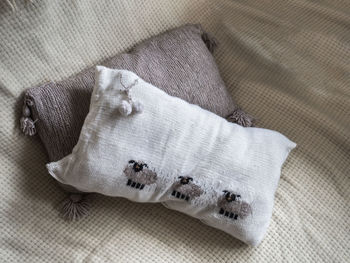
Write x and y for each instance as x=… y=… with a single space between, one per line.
x=177 y=61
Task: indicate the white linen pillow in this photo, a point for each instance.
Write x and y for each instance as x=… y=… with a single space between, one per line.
x=176 y=153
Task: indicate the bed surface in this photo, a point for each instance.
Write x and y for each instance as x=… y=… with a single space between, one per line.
x=285 y=62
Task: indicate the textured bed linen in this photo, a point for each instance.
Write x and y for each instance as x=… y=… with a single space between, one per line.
x=285 y=62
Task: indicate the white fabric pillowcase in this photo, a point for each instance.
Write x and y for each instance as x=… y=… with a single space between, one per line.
x=150 y=147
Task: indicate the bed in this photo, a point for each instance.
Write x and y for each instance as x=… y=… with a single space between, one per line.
x=285 y=62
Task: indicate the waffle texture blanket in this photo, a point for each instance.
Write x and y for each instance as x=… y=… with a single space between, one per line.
x=285 y=62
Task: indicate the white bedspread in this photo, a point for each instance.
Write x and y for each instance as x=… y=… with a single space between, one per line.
x=285 y=62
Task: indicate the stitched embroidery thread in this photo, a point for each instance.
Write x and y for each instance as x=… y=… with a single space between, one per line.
x=186 y=189
x=139 y=175
x=232 y=206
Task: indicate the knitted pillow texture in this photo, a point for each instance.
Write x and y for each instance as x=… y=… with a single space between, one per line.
x=140 y=143
x=178 y=62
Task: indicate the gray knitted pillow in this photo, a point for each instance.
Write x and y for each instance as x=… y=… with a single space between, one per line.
x=178 y=61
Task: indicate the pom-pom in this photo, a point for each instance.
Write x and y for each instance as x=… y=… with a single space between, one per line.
x=137 y=106
x=28 y=126
x=75 y=206
x=240 y=117
x=125 y=108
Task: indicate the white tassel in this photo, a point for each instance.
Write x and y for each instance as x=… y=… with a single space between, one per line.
x=128 y=106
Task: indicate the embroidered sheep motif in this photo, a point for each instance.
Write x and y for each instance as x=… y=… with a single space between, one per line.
x=139 y=175
x=186 y=189
x=232 y=206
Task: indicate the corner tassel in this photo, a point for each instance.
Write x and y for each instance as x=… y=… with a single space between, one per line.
x=241 y=118
x=27 y=124
x=128 y=105
x=210 y=41
x=75 y=206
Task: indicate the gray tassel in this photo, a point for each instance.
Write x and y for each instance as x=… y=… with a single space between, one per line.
x=26 y=122
x=28 y=126
x=75 y=206
x=210 y=41
x=241 y=118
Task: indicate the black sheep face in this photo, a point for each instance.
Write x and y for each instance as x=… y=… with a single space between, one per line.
x=139 y=175
x=137 y=167
x=232 y=206
x=185 y=179
x=231 y=197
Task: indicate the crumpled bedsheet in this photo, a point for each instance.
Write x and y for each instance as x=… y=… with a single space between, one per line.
x=285 y=62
